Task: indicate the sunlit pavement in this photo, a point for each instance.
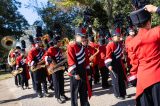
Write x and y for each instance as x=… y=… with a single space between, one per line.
x=10 y=95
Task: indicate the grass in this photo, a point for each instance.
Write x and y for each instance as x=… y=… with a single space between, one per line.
x=4 y=75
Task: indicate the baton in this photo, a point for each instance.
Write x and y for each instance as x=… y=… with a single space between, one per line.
x=113 y=73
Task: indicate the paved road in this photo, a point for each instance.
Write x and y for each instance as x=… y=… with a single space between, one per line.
x=10 y=95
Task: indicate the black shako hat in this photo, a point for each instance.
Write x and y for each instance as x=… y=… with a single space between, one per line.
x=37 y=40
x=56 y=39
x=115 y=33
x=102 y=41
x=140 y=16
x=91 y=38
x=80 y=34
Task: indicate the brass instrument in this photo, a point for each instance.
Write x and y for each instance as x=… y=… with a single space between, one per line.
x=11 y=61
x=8 y=42
x=18 y=71
x=52 y=68
x=93 y=57
x=35 y=68
x=38 y=66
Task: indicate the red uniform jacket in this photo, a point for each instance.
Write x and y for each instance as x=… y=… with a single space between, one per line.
x=101 y=56
x=144 y=51
x=89 y=52
x=76 y=56
x=128 y=39
x=110 y=49
x=34 y=56
x=13 y=54
x=116 y=50
x=53 y=53
x=20 y=63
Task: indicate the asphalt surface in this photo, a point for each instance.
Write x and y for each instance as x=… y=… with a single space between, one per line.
x=10 y=95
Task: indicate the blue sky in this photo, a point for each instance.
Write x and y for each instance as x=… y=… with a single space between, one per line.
x=29 y=13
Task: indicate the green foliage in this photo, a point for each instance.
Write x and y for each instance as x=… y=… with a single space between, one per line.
x=100 y=13
x=155 y=17
x=77 y=20
x=11 y=21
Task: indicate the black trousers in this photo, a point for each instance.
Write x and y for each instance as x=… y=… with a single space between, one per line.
x=17 y=79
x=24 y=80
x=58 y=83
x=105 y=74
x=39 y=87
x=78 y=86
x=50 y=80
x=96 y=75
x=40 y=77
x=118 y=83
x=150 y=96
x=90 y=82
x=33 y=81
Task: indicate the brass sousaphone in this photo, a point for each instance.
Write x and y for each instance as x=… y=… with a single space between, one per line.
x=8 y=42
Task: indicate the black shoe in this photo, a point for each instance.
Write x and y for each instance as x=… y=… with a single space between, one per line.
x=23 y=88
x=28 y=88
x=51 y=88
x=40 y=95
x=60 y=101
x=95 y=82
x=64 y=97
x=46 y=94
x=121 y=98
x=127 y=96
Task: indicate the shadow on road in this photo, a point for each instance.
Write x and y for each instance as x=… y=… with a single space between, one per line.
x=20 y=98
x=126 y=103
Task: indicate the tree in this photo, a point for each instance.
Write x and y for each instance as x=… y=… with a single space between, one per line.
x=11 y=21
x=111 y=7
x=57 y=19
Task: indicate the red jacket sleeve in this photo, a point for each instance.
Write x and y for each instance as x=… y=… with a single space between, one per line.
x=18 y=59
x=71 y=60
x=12 y=54
x=134 y=62
x=47 y=54
x=87 y=62
x=30 y=58
x=109 y=51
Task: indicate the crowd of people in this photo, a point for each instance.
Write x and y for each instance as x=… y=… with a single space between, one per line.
x=135 y=60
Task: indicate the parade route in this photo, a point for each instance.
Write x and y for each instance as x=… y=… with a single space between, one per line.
x=10 y=95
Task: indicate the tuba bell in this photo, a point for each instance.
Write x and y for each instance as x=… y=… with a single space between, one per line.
x=8 y=42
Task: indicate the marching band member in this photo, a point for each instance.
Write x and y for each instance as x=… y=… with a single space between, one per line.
x=78 y=69
x=101 y=56
x=144 y=51
x=114 y=64
x=95 y=60
x=89 y=51
x=24 y=75
x=33 y=46
x=14 y=54
x=39 y=75
x=54 y=53
x=128 y=39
